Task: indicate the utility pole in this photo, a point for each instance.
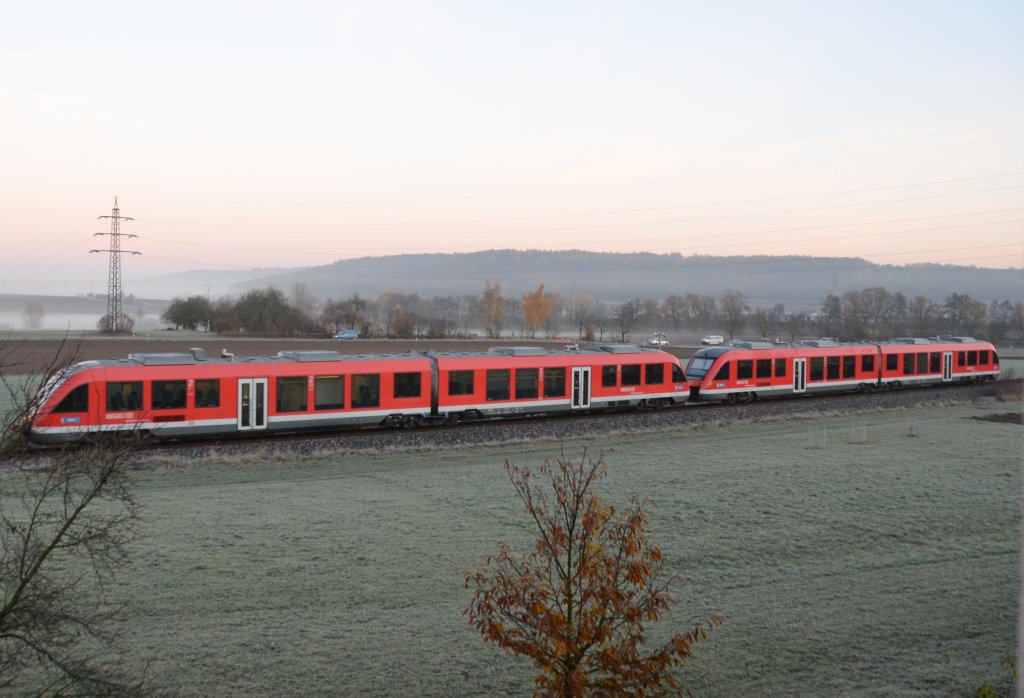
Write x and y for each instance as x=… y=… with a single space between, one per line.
x=115 y=319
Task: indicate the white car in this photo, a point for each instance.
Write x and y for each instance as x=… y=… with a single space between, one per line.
x=657 y=341
x=713 y=339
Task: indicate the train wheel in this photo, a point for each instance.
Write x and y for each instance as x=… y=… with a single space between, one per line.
x=731 y=398
x=411 y=421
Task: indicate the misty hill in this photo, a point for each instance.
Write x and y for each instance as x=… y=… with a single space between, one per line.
x=795 y=281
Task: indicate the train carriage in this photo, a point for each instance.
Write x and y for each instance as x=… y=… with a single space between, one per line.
x=913 y=361
x=529 y=380
x=174 y=395
x=752 y=370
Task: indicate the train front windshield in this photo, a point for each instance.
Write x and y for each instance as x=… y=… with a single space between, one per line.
x=698 y=366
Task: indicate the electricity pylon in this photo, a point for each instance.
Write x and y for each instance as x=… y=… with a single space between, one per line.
x=115 y=320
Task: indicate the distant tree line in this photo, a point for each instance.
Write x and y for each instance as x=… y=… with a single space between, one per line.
x=870 y=313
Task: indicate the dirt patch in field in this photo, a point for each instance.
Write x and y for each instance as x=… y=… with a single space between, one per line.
x=1002 y=418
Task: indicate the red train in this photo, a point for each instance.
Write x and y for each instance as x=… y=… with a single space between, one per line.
x=189 y=395
x=751 y=370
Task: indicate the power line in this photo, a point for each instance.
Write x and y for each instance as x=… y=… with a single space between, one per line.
x=787 y=197
x=684 y=178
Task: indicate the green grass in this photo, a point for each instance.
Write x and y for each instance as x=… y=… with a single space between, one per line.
x=885 y=568
x=889 y=567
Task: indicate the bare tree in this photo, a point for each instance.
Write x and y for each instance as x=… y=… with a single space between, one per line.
x=585 y=311
x=733 y=306
x=625 y=316
x=602 y=320
x=493 y=309
x=65 y=522
x=303 y=300
x=795 y=323
x=33 y=315
x=553 y=322
x=674 y=310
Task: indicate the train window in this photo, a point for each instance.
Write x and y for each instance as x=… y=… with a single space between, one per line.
x=908 y=364
x=892 y=362
x=995 y=358
x=124 y=396
x=208 y=393
x=972 y=358
x=631 y=374
x=677 y=374
x=961 y=358
x=832 y=367
x=526 y=383
x=935 y=362
x=744 y=369
x=460 y=383
x=764 y=368
x=983 y=356
x=780 y=368
x=654 y=374
x=366 y=390
x=867 y=363
x=609 y=376
x=167 y=395
x=291 y=394
x=329 y=393
x=922 y=362
x=724 y=372
x=498 y=384
x=75 y=401
x=407 y=385
x=849 y=366
x=817 y=372
x=554 y=382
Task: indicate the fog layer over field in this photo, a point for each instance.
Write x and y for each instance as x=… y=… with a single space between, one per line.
x=878 y=558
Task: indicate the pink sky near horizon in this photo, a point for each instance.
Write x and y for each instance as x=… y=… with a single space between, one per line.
x=296 y=135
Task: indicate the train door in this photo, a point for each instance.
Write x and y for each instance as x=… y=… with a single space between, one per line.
x=252 y=404
x=799 y=375
x=580 y=387
x=947 y=366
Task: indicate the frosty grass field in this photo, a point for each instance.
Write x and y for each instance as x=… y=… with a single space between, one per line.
x=885 y=567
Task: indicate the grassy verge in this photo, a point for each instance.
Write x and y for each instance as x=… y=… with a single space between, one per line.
x=871 y=561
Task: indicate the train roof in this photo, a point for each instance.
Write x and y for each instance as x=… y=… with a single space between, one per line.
x=587 y=348
x=198 y=356
x=827 y=342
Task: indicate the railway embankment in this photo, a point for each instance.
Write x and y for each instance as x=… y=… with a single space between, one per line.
x=600 y=426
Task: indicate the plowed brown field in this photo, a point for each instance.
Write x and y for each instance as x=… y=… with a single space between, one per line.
x=23 y=356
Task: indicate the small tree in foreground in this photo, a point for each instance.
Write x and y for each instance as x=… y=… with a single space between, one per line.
x=578 y=604
x=66 y=519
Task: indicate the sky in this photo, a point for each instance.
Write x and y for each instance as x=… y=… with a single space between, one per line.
x=242 y=135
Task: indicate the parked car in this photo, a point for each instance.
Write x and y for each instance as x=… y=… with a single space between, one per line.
x=347 y=334
x=657 y=340
x=713 y=339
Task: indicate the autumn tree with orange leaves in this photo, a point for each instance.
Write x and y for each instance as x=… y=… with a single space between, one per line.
x=536 y=308
x=577 y=605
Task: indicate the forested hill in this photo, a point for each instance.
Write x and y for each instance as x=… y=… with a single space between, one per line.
x=613 y=277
